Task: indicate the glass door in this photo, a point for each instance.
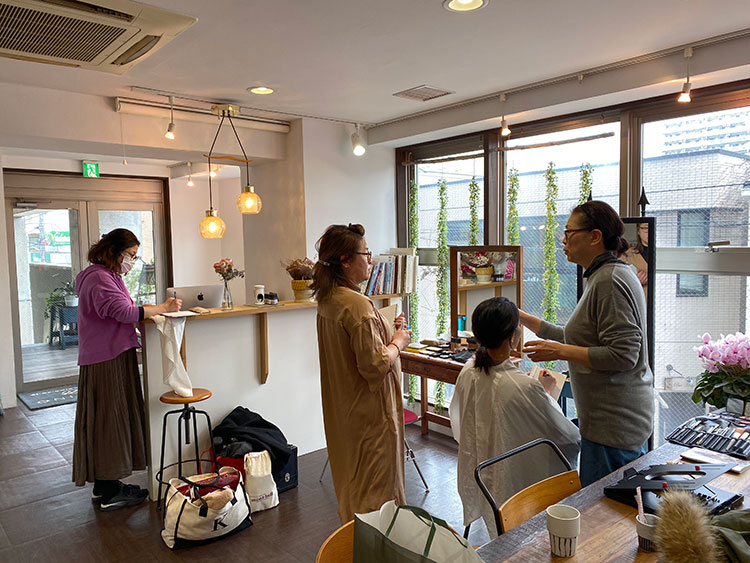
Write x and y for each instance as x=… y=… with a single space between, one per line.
x=48 y=240
x=146 y=281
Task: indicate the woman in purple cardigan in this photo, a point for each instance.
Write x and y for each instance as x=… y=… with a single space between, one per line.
x=110 y=431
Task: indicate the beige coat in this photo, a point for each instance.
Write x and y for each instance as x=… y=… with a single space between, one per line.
x=362 y=405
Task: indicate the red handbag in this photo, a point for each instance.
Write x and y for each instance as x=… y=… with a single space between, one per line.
x=221 y=461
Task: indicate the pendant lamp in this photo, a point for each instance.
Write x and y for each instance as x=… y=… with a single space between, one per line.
x=212 y=226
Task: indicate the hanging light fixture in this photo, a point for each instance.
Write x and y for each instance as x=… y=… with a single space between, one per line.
x=504 y=129
x=170 y=128
x=684 y=96
x=248 y=202
x=190 y=182
x=358 y=148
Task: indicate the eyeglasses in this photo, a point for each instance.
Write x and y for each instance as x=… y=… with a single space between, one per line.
x=368 y=254
x=567 y=232
x=132 y=256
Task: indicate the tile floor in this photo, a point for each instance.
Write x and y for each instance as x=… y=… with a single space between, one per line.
x=45 y=517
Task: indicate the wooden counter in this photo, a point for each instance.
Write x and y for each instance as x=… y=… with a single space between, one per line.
x=243 y=310
x=427 y=367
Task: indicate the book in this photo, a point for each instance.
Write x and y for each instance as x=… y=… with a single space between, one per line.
x=560 y=379
x=390 y=313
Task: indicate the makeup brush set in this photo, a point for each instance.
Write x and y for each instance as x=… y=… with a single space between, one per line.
x=724 y=432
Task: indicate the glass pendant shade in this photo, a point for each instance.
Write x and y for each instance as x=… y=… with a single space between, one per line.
x=248 y=202
x=212 y=226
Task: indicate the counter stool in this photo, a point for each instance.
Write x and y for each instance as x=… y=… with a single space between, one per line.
x=186 y=413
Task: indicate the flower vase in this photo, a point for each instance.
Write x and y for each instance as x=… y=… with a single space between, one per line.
x=226 y=300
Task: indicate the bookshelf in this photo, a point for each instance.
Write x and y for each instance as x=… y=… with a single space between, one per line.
x=465 y=297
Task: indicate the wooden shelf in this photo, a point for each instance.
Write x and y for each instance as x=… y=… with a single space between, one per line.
x=474 y=286
x=388 y=296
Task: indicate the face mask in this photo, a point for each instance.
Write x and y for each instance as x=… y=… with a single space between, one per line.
x=127 y=264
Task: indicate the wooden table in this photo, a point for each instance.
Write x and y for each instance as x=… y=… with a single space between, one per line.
x=607 y=526
x=427 y=367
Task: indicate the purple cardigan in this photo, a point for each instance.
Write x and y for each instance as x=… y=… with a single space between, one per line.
x=106 y=314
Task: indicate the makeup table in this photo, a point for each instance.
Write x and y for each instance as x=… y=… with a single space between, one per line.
x=607 y=526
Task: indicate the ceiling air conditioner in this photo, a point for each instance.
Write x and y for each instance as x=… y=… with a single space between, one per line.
x=110 y=35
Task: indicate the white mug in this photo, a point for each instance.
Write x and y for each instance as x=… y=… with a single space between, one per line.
x=564 y=525
x=260 y=297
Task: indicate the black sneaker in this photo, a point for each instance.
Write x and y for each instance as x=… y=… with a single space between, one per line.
x=129 y=495
x=99 y=489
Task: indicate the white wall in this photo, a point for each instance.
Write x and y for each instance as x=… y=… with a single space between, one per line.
x=278 y=231
x=7 y=367
x=341 y=188
x=232 y=245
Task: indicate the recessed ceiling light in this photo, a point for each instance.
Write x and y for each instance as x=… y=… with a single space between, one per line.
x=464 y=5
x=262 y=90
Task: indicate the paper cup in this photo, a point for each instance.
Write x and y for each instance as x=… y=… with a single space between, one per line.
x=646 y=532
x=564 y=526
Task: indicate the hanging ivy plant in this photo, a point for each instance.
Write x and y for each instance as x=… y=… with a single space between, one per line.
x=550 y=278
x=413 y=242
x=514 y=235
x=587 y=183
x=474 y=212
x=442 y=280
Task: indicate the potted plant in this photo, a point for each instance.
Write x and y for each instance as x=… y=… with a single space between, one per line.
x=301 y=272
x=225 y=268
x=727 y=375
x=63 y=295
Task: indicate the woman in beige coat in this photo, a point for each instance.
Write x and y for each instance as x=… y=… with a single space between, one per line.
x=360 y=377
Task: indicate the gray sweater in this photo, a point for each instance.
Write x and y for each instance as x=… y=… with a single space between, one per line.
x=615 y=397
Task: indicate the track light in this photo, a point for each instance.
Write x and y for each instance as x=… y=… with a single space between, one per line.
x=190 y=182
x=170 y=128
x=684 y=96
x=504 y=129
x=358 y=148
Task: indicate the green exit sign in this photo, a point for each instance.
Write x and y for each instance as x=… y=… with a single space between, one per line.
x=90 y=169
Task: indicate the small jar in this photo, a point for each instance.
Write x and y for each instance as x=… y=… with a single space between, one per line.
x=271 y=298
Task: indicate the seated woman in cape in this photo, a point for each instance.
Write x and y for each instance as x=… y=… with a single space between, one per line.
x=496 y=408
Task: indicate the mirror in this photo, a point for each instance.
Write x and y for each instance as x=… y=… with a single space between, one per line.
x=481 y=272
x=641 y=234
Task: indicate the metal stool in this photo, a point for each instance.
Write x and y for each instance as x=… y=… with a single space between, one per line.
x=186 y=413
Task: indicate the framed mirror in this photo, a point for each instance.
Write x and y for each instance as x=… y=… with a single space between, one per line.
x=481 y=272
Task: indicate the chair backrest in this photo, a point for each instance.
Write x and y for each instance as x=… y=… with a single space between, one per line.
x=339 y=547
x=537 y=497
x=514 y=451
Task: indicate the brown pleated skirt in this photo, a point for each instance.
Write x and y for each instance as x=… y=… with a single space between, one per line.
x=110 y=428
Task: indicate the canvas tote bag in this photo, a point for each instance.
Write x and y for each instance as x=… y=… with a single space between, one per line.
x=260 y=486
x=188 y=520
x=407 y=534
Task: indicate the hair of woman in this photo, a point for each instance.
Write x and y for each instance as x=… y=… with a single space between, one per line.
x=107 y=251
x=639 y=246
x=337 y=245
x=598 y=215
x=493 y=322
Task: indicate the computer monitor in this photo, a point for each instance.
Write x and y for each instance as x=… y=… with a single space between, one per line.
x=208 y=296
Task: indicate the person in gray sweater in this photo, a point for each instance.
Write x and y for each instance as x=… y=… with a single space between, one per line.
x=604 y=343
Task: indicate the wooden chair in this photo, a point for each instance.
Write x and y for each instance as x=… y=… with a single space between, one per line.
x=534 y=498
x=339 y=547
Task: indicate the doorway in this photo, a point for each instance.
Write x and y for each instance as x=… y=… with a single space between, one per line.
x=51 y=235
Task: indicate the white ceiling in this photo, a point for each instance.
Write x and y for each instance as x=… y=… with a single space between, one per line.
x=345 y=58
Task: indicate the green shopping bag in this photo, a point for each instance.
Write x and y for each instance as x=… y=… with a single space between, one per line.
x=407 y=534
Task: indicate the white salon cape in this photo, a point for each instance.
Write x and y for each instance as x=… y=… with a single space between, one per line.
x=494 y=413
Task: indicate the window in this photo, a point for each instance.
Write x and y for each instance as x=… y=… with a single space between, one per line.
x=531 y=164
x=692 y=230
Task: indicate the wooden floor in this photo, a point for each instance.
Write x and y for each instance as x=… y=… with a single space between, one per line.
x=42 y=361
x=45 y=517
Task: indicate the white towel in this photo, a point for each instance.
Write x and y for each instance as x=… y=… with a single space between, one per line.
x=175 y=374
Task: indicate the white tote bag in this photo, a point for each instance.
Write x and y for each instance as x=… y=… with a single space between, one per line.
x=259 y=484
x=188 y=520
x=424 y=537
